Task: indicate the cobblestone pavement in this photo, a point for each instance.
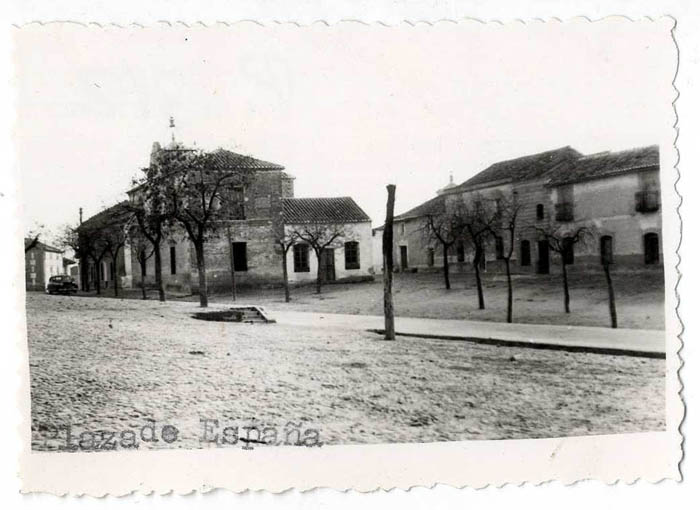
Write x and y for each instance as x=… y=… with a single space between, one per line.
x=113 y=365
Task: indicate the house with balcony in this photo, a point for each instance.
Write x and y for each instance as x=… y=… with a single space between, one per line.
x=618 y=194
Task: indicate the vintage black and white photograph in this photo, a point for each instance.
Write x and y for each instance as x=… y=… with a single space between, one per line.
x=279 y=238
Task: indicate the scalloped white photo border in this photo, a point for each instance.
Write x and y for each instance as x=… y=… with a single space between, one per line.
x=651 y=456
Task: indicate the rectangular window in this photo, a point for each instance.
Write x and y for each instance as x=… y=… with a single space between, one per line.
x=240 y=257
x=606 y=250
x=301 y=258
x=111 y=271
x=238 y=203
x=173 y=261
x=352 y=255
x=499 y=247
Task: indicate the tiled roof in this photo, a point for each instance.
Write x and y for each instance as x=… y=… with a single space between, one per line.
x=228 y=159
x=113 y=215
x=433 y=205
x=41 y=246
x=605 y=164
x=331 y=210
x=521 y=169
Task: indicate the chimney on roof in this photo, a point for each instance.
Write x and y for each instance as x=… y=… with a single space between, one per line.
x=80 y=214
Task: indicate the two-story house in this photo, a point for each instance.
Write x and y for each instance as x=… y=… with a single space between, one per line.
x=247 y=247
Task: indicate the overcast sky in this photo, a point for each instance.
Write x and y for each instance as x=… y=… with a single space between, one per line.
x=346 y=109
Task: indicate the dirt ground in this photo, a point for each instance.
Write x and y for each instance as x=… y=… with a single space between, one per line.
x=113 y=365
x=537 y=299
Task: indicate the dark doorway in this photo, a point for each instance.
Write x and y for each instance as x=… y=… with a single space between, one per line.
x=651 y=249
x=328 y=265
x=240 y=256
x=542 y=257
x=404 y=257
x=525 y=253
x=606 y=250
x=431 y=257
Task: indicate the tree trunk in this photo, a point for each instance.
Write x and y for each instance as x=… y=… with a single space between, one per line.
x=445 y=266
x=84 y=272
x=142 y=263
x=318 y=271
x=158 y=262
x=98 y=280
x=388 y=252
x=611 y=297
x=285 y=275
x=232 y=263
x=509 y=317
x=115 y=258
x=477 y=274
x=202 y=272
x=566 y=285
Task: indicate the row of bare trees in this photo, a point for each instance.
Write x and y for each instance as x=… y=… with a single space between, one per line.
x=192 y=194
x=478 y=222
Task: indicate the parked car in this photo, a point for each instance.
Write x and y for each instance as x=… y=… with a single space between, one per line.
x=61 y=284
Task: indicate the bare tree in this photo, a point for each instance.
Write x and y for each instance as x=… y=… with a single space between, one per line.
x=285 y=240
x=114 y=237
x=318 y=236
x=562 y=240
x=475 y=217
x=93 y=246
x=202 y=192
x=444 y=229
x=71 y=238
x=143 y=249
x=503 y=228
x=152 y=215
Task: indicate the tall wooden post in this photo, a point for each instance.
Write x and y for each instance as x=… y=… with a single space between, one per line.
x=388 y=251
x=611 y=295
x=232 y=262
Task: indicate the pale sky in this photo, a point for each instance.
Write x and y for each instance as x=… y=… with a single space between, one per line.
x=346 y=109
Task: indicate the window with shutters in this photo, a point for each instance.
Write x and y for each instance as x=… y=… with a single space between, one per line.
x=352 y=255
x=301 y=258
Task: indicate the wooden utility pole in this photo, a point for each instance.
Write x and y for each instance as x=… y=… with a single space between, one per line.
x=232 y=262
x=388 y=251
x=611 y=295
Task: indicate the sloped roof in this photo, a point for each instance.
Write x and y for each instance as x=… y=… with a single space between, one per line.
x=522 y=169
x=41 y=246
x=605 y=164
x=118 y=213
x=331 y=210
x=431 y=206
x=225 y=158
